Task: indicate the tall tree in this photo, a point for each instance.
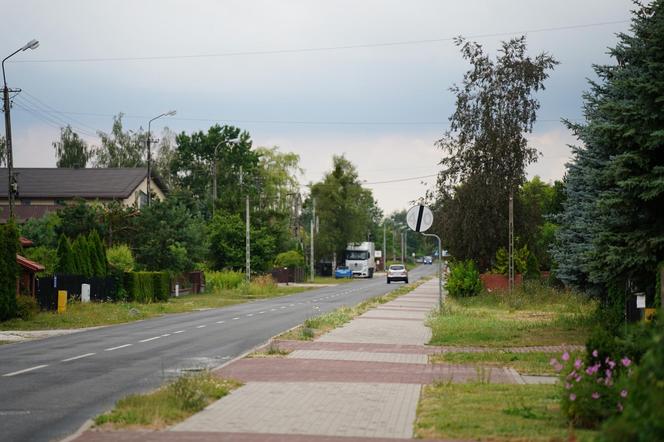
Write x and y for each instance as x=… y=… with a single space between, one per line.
x=623 y=162
x=346 y=210
x=120 y=148
x=486 y=145
x=71 y=150
x=229 y=149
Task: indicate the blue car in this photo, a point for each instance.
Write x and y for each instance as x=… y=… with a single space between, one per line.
x=343 y=272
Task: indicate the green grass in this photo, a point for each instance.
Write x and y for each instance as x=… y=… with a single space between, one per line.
x=271 y=351
x=533 y=315
x=169 y=404
x=534 y=363
x=329 y=280
x=493 y=412
x=92 y=314
x=318 y=325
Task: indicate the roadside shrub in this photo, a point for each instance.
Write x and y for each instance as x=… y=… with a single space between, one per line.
x=139 y=287
x=26 y=307
x=161 y=282
x=44 y=256
x=593 y=389
x=224 y=280
x=120 y=257
x=464 y=279
x=290 y=259
x=520 y=260
x=643 y=417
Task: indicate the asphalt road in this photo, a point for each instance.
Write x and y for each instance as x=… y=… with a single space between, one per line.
x=50 y=387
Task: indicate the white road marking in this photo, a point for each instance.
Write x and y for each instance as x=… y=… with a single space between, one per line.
x=179 y=331
x=78 y=357
x=260 y=313
x=235 y=319
x=118 y=347
x=250 y=315
x=201 y=326
x=150 y=339
x=226 y=357
x=283 y=306
x=273 y=309
x=165 y=335
x=220 y=322
x=14 y=373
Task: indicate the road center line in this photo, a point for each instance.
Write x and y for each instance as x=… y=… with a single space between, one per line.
x=250 y=315
x=118 y=347
x=220 y=322
x=150 y=339
x=37 y=367
x=235 y=319
x=77 y=357
x=201 y=326
x=260 y=313
x=179 y=331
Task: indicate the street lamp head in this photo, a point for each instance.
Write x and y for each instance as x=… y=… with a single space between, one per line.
x=32 y=44
x=171 y=113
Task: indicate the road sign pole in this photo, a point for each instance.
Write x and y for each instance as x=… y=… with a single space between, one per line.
x=440 y=269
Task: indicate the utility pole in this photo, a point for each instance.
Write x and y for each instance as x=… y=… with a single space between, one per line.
x=311 y=237
x=384 y=246
x=394 y=244
x=12 y=187
x=247 y=242
x=214 y=179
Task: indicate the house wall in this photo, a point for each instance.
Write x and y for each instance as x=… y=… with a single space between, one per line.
x=134 y=198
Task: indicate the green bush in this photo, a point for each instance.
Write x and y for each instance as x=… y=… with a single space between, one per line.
x=464 y=279
x=520 y=261
x=44 y=256
x=224 y=280
x=120 y=257
x=65 y=263
x=290 y=259
x=161 y=282
x=643 y=416
x=26 y=307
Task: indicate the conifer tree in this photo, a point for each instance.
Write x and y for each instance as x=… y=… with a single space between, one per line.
x=82 y=256
x=9 y=246
x=65 y=263
x=97 y=254
x=616 y=231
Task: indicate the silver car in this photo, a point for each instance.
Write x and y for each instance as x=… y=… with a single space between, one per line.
x=397 y=272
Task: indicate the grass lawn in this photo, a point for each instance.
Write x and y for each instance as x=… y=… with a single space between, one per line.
x=168 y=405
x=318 y=325
x=535 y=363
x=92 y=314
x=493 y=412
x=532 y=315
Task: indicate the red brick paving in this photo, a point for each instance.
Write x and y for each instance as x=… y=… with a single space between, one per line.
x=317 y=370
x=187 y=436
x=418 y=349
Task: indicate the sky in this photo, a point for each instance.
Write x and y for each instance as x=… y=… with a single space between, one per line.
x=366 y=78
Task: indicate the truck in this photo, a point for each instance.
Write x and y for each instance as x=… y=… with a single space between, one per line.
x=360 y=258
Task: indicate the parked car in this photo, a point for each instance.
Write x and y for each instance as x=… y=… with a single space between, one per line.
x=343 y=272
x=397 y=272
x=428 y=260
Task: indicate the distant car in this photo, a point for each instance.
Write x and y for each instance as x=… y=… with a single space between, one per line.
x=397 y=272
x=428 y=260
x=343 y=272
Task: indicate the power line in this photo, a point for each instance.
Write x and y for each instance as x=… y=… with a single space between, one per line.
x=401 y=179
x=290 y=122
x=313 y=49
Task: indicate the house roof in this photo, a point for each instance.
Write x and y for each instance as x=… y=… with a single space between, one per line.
x=29 y=264
x=76 y=183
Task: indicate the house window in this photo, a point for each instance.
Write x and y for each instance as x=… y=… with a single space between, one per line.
x=142 y=199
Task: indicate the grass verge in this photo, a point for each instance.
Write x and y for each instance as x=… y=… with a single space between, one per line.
x=533 y=363
x=92 y=314
x=532 y=315
x=168 y=405
x=271 y=351
x=321 y=324
x=493 y=412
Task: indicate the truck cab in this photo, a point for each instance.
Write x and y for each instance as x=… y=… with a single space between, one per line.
x=359 y=258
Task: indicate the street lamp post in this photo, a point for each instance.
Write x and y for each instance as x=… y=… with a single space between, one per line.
x=12 y=185
x=165 y=114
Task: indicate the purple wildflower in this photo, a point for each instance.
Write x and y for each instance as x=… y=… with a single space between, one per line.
x=578 y=363
x=608 y=373
x=620 y=407
x=565 y=356
x=553 y=361
x=626 y=361
x=595 y=395
x=572 y=397
x=558 y=367
x=595 y=354
x=623 y=393
x=568 y=385
x=612 y=365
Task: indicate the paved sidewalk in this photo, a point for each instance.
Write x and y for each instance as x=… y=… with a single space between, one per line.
x=359 y=382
